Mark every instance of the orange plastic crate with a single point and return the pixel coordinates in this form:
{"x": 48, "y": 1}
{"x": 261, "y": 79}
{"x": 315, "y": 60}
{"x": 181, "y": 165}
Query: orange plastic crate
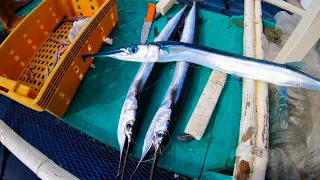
{"x": 30, "y": 44}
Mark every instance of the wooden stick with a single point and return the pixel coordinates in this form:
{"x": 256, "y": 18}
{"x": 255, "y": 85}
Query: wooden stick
{"x": 286, "y": 6}
{"x": 244, "y": 159}
{"x": 303, "y": 37}
{"x": 262, "y": 137}
{"x": 37, "y": 162}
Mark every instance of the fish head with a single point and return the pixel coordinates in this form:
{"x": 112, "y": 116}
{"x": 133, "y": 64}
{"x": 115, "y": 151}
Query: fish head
{"x": 157, "y": 131}
{"x": 149, "y": 53}
{"x": 126, "y": 122}
{"x": 136, "y": 53}
{"x": 161, "y": 126}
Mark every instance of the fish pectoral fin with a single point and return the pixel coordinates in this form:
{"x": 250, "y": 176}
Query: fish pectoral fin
{"x": 283, "y": 91}
{"x": 302, "y": 67}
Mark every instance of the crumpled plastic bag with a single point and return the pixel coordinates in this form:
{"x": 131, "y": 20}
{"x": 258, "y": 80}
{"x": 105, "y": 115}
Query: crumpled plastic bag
{"x": 295, "y": 3}
{"x": 271, "y": 49}
{"x": 307, "y": 162}
{"x": 286, "y": 23}
{"x": 309, "y": 166}
{"x": 280, "y": 167}
{"x": 77, "y": 27}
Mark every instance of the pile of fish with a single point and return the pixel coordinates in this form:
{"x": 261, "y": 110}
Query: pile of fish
{"x": 184, "y": 52}
{"x": 159, "y": 127}
{"x": 56, "y": 56}
{"x": 58, "y": 53}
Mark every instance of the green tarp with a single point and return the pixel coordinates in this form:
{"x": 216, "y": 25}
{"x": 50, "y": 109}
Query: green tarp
{"x": 96, "y": 107}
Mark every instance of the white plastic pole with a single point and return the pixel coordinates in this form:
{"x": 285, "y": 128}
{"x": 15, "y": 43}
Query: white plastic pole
{"x": 244, "y": 158}
{"x": 286, "y": 6}
{"x": 37, "y": 162}
{"x": 304, "y": 36}
{"x": 262, "y": 100}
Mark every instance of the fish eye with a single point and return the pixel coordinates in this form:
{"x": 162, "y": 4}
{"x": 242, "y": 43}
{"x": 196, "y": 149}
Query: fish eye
{"x": 160, "y": 135}
{"x": 133, "y": 49}
{"x": 129, "y": 126}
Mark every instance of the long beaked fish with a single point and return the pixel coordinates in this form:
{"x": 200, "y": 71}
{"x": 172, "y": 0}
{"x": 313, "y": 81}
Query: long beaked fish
{"x": 129, "y": 110}
{"x": 159, "y": 127}
{"x": 283, "y": 75}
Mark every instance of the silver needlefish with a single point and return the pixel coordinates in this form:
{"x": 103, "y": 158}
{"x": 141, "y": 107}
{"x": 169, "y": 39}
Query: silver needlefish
{"x": 129, "y": 110}
{"x": 159, "y": 127}
{"x": 295, "y": 74}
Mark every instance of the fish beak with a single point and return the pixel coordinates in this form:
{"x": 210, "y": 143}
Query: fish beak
{"x": 134, "y": 53}
{"x": 117, "y": 54}
{"x": 124, "y": 139}
{"x": 125, "y": 131}
{"x": 145, "y": 151}
{"x": 123, "y": 158}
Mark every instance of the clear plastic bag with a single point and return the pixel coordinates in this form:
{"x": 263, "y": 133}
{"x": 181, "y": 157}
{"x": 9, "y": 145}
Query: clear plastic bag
{"x": 309, "y": 166}
{"x": 290, "y": 120}
{"x": 294, "y": 122}
{"x": 273, "y": 51}
{"x": 77, "y": 27}
{"x": 280, "y": 167}
{"x": 295, "y": 3}
{"x": 290, "y": 114}
{"x": 286, "y": 23}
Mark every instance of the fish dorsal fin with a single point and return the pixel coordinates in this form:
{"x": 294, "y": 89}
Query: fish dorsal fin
{"x": 302, "y": 67}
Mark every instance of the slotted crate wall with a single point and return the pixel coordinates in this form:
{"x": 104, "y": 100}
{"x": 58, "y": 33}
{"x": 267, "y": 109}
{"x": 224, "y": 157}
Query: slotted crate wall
{"x": 29, "y": 46}
{"x": 43, "y": 59}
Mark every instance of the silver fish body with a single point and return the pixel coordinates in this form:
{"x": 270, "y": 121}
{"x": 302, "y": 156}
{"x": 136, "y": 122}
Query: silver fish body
{"x": 161, "y": 121}
{"x": 278, "y": 74}
{"x": 129, "y": 110}
{"x": 159, "y": 127}
{"x": 282, "y": 75}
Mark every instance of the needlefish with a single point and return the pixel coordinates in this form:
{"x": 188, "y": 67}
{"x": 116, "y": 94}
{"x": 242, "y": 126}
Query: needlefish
{"x": 295, "y": 74}
{"x": 160, "y": 124}
{"x": 131, "y": 104}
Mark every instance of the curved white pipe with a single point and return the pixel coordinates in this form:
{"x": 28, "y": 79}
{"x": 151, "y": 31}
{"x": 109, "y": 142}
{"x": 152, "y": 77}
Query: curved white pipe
{"x": 36, "y": 161}
{"x": 286, "y": 6}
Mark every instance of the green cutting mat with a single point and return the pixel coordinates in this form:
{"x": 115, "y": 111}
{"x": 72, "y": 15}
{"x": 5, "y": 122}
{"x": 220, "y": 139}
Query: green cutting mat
{"x": 96, "y": 107}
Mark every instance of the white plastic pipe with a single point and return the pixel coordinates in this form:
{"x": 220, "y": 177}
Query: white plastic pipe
{"x": 244, "y": 158}
{"x": 262, "y": 103}
{"x": 286, "y": 6}
{"x": 304, "y": 36}
{"x": 37, "y": 162}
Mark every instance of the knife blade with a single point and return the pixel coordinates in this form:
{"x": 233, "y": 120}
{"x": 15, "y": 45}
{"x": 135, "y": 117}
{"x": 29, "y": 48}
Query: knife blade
{"x": 147, "y": 22}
